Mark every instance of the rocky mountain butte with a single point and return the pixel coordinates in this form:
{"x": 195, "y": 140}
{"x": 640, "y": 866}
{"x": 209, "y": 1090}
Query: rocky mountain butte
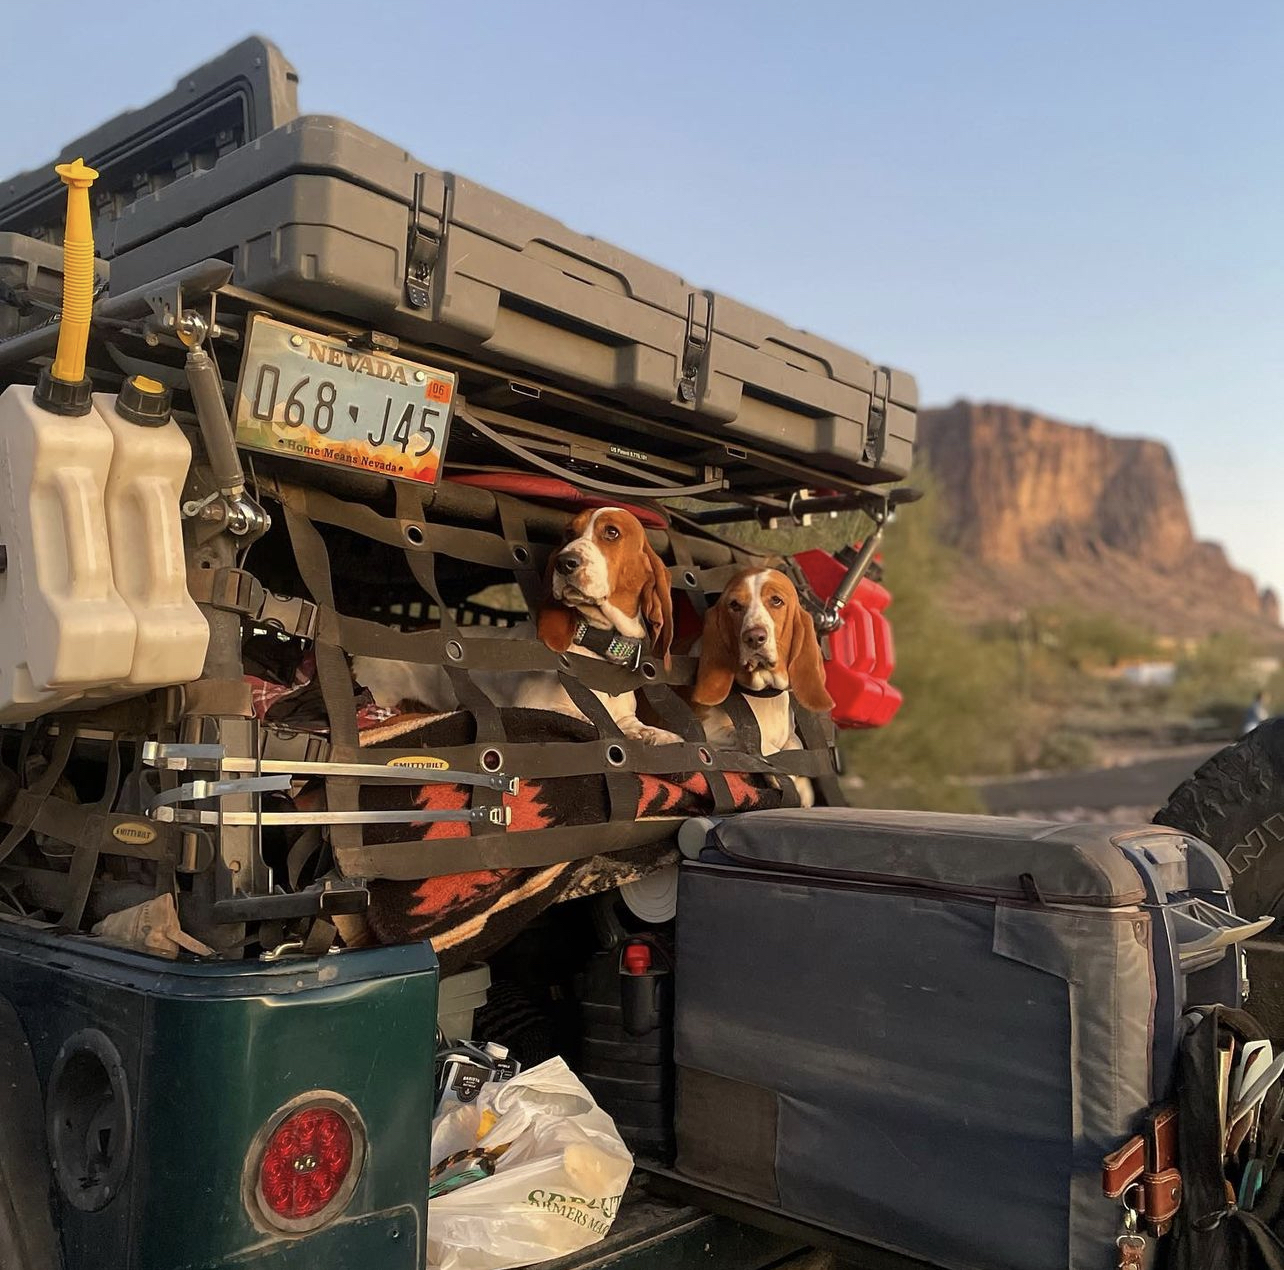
{"x": 1049, "y": 513}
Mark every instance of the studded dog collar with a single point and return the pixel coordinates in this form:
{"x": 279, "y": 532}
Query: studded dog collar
{"x": 620, "y": 650}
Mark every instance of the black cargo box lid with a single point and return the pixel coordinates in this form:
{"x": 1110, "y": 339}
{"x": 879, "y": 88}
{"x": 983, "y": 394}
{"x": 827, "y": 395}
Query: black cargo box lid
{"x": 241, "y": 94}
{"x": 987, "y": 856}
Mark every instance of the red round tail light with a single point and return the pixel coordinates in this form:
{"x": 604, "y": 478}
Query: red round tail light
{"x": 305, "y": 1163}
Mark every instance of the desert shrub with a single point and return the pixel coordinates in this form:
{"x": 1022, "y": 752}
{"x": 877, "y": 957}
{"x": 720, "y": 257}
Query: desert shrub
{"x": 1063, "y": 750}
{"x": 1218, "y": 674}
{"x": 1090, "y": 641}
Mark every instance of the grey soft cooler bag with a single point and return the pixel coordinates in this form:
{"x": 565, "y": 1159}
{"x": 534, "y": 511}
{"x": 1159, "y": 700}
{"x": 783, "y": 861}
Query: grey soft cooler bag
{"x": 926, "y": 1031}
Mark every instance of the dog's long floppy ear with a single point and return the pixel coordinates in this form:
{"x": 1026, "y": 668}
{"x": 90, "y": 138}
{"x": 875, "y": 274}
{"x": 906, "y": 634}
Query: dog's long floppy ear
{"x": 806, "y": 665}
{"x": 555, "y": 624}
{"x": 717, "y": 670}
{"x": 657, "y": 605}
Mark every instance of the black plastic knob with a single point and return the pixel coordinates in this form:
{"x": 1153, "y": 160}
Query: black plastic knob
{"x": 144, "y": 401}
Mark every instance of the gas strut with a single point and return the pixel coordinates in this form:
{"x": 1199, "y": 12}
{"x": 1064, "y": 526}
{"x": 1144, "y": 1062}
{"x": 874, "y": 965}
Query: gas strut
{"x": 882, "y": 514}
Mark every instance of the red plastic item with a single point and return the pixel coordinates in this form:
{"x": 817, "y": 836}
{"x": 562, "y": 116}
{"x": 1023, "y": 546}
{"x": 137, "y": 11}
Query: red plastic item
{"x": 637, "y": 959}
{"x": 306, "y": 1162}
{"x": 862, "y": 653}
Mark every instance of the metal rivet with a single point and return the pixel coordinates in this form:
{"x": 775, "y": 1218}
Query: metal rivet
{"x": 296, "y": 341}
{"x": 689, "y": 578}
{"x": 704, "y": 755}
{"x": 492, "y": 760}
{"x": 615, "y": 755}
{"x": 420, "y": 377}
{"x": 648, "y": 670}
{"x": 415, "y": 535}
{"x": 454, "y": 650}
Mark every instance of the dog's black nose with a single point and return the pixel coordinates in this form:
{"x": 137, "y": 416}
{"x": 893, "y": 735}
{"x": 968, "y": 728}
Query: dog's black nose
{"x": 567, "y": 563}
{"x": 755, "y": 637}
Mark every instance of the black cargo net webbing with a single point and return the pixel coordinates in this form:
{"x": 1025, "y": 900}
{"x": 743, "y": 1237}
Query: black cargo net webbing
{"x": 89, "y": 831}
{"x": 463, "y": 649}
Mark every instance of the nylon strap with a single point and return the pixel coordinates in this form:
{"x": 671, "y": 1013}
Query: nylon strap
{"x": 527, "y": 564}
{"x": 319, "y": 938}
{"x": 684, "y": 575}
{"x": 22, "y": 811}
{"x": 77, "y": 823}
{"x": 236, "y": 591}
{"x": 86, "y": 854}
{"x": 304, "y": 847}
{"x": 818, "y": 737}
{"x": 333, "y": 672}
{"x": 219, "y": 698}
{"x": 473, "y": 545}
{"x": 544, "y": 760}
{"x": 678, "y": 715}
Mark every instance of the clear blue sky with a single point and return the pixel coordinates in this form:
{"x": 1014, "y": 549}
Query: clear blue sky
{"x": 1077, "y": 207}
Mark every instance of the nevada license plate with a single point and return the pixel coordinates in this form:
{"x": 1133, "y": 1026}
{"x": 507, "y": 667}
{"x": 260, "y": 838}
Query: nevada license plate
{"x": 308, "y": 396}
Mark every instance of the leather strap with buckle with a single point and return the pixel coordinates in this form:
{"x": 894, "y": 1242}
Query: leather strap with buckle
{"x": 1147, "y": 1163}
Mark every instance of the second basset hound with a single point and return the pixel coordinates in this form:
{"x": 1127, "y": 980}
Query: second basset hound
{"x": 760, "y": 640}
{"x": 609, "y": 596}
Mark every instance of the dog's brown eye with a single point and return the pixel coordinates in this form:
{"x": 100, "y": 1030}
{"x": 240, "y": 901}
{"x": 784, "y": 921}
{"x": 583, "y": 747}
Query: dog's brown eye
{"x": 735, "y": 606}
{"x": 776, "y": 601}
{"x": 610, "y": 533}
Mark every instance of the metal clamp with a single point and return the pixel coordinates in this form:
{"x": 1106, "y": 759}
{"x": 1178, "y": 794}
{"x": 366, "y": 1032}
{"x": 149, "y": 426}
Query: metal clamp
{"x": 411, "y": 816}
{"x": 199, "y": 791}
{"x": 181, "y": 758}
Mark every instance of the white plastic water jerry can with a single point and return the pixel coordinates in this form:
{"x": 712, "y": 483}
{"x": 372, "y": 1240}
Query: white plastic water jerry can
{"x": 64, "y": 628}
{"x": 144, "y": 527}
{"x": 93, "y": 586}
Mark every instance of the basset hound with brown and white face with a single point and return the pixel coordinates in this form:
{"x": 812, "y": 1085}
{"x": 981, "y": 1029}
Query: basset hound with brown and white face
{"x": 609, "y": 596}
{"x": 759, "y": 639}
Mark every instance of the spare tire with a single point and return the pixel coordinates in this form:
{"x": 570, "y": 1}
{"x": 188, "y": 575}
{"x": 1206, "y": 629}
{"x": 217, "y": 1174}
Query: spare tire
{"x": 1235, "y": 803}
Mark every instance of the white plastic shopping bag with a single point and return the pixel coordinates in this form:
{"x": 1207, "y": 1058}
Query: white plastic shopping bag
{"x": 556, "y": 1187}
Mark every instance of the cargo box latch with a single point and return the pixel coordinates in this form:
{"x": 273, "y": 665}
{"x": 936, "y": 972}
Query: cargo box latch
{"x": 695, "y": 345}
{"x": 876, "y": 431}
{"x": 423, "y": 246}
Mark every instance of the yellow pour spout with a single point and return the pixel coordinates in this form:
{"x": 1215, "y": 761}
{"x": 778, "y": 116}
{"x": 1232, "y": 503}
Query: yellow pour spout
{"x": 77, "y": 274}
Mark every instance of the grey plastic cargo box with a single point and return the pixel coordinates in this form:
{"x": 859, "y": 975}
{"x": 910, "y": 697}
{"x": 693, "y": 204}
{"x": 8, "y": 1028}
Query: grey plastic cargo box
{"x": 318, "y": 213}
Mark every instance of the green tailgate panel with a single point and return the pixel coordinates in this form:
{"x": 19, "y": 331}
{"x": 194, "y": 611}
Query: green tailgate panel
{"x": 208, "y": 1052}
